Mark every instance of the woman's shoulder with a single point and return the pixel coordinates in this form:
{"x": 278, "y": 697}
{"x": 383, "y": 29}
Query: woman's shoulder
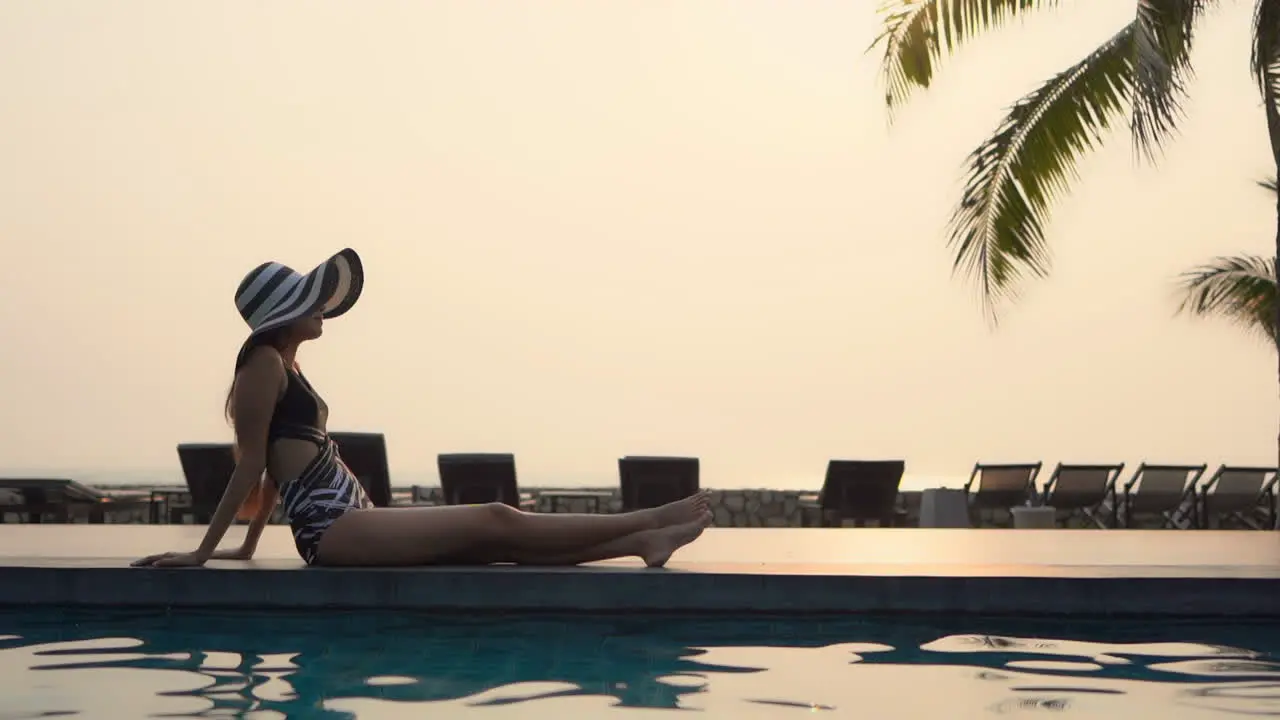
{"x": 264, "y": 362}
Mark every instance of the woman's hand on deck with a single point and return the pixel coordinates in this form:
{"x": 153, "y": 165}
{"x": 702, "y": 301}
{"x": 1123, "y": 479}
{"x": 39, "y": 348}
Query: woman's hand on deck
{"x": 170, "y": 559}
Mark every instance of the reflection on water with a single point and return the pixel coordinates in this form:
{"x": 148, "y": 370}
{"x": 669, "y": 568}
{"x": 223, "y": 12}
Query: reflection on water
{"x": 123, "y": 664}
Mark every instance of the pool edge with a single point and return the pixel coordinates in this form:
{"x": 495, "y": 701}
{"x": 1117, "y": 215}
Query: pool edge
{"x": 483, "y": 590}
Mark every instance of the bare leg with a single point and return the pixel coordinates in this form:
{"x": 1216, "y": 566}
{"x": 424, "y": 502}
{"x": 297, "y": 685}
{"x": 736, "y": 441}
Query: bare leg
{"x": 574, "y": 531}
{"x": 655, "y": 547}
{"x": 419, "y": 536}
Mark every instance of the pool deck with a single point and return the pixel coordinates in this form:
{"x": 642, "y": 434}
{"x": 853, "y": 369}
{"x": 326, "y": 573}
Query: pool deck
{"x": 1069, "y": 572}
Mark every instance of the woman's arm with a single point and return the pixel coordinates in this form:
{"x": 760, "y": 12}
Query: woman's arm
{"x": 270, "y": 496}
{"x": 257, "y": 388}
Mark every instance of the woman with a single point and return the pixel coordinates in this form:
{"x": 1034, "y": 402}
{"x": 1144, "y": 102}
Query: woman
{"x": 279, "y": 422}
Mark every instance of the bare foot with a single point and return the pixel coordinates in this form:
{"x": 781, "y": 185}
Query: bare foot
{"x": 680, "y": 512}
{"x": 661, "y": 543}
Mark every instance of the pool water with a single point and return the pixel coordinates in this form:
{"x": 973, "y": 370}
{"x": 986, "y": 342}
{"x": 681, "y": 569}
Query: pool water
{"x": 135, "y": 664}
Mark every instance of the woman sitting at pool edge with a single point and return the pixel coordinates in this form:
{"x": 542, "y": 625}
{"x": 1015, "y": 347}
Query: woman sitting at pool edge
{"x": 280, "y": 430}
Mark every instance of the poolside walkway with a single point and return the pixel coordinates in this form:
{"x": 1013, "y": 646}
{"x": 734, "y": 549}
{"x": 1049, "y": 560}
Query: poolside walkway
{"x": 735, "y": 570}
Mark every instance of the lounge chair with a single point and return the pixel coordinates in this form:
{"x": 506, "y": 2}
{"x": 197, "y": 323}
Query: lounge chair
{"x": 207, "y": 468}
{"x": 651, "y": 481}
{"x": 862, "y": 490}
{"x": 1000, "y": 487}
{"x": 365, "y": 454}
{"x": 475, "y": 478}
{"x": 1082, "y": 491}
{"x": 1163, "y": 492}
{"x": 1238, "y": 494}
{"x": 61, "y": 500}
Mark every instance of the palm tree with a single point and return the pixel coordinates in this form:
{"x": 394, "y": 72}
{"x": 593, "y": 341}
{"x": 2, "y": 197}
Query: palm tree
{"x": 997, "y": 228}
{"x": 1240, "y": 289}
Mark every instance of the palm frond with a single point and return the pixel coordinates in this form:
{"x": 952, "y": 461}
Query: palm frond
{"x": 1240, "y": 289}
{"x": 998, "y": 229}
{"x": 917, "y": 33}
{"x": 1163, "y": 34}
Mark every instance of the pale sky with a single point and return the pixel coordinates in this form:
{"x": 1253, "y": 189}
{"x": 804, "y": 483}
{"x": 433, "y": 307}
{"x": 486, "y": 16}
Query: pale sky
{"x": 596, "y": 228}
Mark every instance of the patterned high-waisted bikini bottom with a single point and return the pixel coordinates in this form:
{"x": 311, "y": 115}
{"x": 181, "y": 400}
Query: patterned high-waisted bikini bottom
{"x": 325, "y": 491}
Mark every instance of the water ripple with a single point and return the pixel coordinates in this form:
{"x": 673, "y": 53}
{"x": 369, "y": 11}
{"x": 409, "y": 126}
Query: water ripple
{"x": 314, "y": 665}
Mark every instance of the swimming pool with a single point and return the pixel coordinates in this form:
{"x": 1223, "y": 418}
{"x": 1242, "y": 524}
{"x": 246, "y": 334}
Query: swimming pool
{"x": 132, "y": 664}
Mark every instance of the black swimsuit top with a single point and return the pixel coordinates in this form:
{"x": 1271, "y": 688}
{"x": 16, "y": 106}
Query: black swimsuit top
{"x": 297, "y": 412}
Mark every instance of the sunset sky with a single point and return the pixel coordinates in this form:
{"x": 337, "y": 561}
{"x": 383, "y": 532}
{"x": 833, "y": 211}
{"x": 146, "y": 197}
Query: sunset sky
{"x": 596, "y": 228}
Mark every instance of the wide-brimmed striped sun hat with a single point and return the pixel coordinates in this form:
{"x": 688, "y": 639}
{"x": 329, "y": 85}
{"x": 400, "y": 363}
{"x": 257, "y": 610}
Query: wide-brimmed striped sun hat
{"x": 273, "y": 295}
